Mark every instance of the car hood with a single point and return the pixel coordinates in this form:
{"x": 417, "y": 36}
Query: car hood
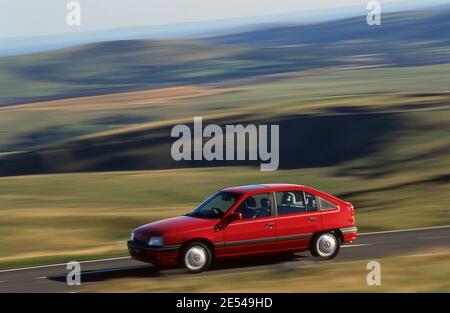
{"x": 173, "y": 226}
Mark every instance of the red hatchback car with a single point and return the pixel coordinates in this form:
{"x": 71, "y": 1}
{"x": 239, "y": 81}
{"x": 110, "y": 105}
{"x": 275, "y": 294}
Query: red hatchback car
{"x": 248, "y": 220}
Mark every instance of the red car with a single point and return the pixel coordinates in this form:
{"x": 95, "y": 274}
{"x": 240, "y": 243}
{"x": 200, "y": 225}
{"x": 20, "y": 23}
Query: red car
{"x": 248, "y": 220}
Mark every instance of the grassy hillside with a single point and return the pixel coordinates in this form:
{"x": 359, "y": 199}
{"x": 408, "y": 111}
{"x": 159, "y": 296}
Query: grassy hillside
{"x": 405, "y": 39}
{"x": 369, "y": 89}
{"x": 110, "y": 67}
{"x": 373, "y": 121}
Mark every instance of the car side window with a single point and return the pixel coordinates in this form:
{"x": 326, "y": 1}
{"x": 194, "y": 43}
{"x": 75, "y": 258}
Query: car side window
{"x": 255, "y": 206}
{"x": 290, "y": 202}
{"x": 326, "y": 205}
{"x": 311, "y": 202}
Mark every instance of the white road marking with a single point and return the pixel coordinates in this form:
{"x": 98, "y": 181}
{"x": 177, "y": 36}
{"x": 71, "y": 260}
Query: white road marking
{"x": 127, "y": 257}
{"x": 357, "y": 245}
{"x": 63, "y": 264}
{"x": 422, "y": 255}
{"x": 403, "y": 230}
{"x": 433, "y": 237}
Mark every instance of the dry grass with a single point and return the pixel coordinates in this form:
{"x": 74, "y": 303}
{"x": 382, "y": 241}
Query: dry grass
{"x": 119, "y": 100}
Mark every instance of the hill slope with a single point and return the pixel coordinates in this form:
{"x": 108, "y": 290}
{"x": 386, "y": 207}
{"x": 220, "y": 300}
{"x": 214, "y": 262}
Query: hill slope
{"x": 404, "y": 39}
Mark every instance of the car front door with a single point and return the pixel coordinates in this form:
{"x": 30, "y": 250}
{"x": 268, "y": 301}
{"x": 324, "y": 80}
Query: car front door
{"x": 255, "y": 232}
{"x": 297, "y": 219}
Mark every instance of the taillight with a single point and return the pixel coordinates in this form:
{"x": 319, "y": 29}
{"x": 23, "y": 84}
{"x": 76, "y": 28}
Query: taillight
{"x": 352, "y": 212}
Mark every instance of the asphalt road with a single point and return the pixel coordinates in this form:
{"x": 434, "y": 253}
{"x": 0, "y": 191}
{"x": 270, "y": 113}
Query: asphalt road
{"x": 369, "y": 246}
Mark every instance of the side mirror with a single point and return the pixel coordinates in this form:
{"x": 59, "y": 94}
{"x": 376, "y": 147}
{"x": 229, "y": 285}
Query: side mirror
{"x": 236, "y": 216}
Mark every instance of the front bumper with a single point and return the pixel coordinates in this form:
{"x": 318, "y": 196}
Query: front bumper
{"x": 164, "y": 255}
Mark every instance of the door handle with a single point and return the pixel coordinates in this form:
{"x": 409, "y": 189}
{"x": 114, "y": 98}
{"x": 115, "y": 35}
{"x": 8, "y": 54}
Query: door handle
{"x": 312, "y": 219}
{"x": 269, "y": 225}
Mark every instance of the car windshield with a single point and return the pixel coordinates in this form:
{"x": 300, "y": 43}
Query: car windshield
{"x": 216, "y": 205}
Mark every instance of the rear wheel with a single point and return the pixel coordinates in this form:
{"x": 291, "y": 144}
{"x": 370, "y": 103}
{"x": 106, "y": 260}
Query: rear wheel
{"x": 196, "y": 257}
{"x": 325, "y": 246}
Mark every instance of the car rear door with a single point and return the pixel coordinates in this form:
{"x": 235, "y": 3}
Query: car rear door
{"x": 256, "y": 231}
{"x": 297, "y": 219}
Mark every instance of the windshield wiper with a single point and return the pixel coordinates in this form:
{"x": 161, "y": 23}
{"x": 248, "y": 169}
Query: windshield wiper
{"x": 202, "y": 215}
{"x": 195, "y": 214}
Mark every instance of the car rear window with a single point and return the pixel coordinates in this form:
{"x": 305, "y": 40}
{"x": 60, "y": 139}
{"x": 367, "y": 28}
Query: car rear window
{"x": 326, "y": 205}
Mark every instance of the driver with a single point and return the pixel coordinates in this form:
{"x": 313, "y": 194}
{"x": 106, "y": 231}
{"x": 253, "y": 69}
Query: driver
{"x": 248, "y": 208}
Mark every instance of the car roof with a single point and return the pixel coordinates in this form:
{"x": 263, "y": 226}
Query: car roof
{"x": 253, "y": 189}
{"x": 260, "y": 187}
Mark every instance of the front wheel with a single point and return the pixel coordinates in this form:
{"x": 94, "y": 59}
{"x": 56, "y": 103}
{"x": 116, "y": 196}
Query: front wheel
{"x": 196, "y": 257}
{"x": 326, "y": 246}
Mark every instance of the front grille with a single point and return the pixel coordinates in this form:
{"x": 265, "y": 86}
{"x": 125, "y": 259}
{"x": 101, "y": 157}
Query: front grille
{"x": 137, "y": 245}
{"x": 140, "y": 242}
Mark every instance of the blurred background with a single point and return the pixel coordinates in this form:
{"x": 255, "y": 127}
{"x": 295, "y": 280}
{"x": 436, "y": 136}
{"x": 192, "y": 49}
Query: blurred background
{"x": 364, "y": 114}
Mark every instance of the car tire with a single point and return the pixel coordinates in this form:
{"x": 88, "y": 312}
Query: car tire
{"x": 196, "y": 257}
{"x": 325, "y": 246}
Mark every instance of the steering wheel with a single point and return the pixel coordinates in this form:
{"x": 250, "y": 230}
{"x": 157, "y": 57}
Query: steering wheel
{"x": 216, "y": 211}
{"x": 257, "y": 213}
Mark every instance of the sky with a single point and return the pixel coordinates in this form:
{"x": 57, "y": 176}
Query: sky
{"x": 44, "y": 17}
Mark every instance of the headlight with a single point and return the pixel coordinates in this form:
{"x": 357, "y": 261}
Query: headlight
{"x": 156, "y": 241}
{"x": 132, "y": 236}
